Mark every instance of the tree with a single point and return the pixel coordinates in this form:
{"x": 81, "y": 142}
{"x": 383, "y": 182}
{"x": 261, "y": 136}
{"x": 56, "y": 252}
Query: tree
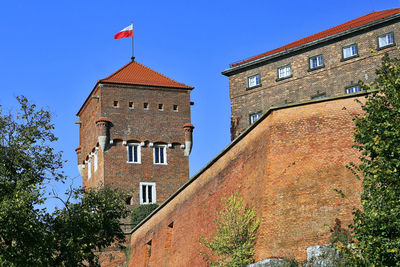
{"x": 376, "y": 228}
{"x": 233, "y": 243}
{"x": 29, "y": 234}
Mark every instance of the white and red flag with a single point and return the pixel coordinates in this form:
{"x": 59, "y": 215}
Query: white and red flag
{"x": 126, "y": 32}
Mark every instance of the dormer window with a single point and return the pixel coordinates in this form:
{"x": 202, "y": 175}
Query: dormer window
{"x": 253, "y": 81}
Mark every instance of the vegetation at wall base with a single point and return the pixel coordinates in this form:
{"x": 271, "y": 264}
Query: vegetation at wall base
{"x": 140, "y": 212}
{"x": 376, "y": 228}
{"x": 233, "y": 243}
{"x": 29, "y": 234}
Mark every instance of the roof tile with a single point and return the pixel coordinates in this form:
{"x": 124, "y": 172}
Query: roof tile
{"x": 337, "y": 29}
{"x": 138, "y": 74}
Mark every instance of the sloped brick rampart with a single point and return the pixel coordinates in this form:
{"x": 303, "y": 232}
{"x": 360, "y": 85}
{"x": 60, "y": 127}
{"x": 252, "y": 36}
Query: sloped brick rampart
{"x": 286, "y": 167}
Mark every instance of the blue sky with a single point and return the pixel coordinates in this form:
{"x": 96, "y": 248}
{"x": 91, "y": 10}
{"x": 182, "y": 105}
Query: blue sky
{"x": 53, "y": 52}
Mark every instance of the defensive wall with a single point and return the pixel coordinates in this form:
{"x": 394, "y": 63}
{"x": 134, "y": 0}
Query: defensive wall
{"x": 285, "y": 165}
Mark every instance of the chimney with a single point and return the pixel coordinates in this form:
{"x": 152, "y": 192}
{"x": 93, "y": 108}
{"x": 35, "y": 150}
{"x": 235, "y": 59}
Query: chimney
{"x": 188, "y": 128}
{"x": 103, "y": 130}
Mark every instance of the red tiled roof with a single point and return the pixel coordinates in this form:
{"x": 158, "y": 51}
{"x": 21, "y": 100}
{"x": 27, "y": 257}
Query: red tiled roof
{"x": 338, "y": 29}
{"x": 138, "y": 74}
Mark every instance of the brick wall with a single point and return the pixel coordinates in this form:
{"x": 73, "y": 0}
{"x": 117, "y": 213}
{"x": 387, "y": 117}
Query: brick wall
{"x": 332, "y": 79}
{"x": 286, "y": 167}
{"x": 136, "y": 124}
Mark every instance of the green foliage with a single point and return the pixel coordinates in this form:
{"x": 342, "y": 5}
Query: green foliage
{"x": 29, "y": 234}
{"x": 376, "y": 228}
{"x": 340, "y": 234}
{"x": 141, "y": 212}
{"x": 233, "y": 243}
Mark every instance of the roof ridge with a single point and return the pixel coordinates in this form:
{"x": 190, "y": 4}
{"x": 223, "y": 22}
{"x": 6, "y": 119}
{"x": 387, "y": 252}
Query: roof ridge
{"x": 357, "y": 22}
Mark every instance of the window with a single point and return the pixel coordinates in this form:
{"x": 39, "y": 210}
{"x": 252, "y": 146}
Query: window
{"x": 385, "y": 40}
{"x": 254, "y": 117}
{"x": 146, "y": 106}
{"x": 284, "y": 72}
{"x": 160, "y": 107}
{"x": 89, "y": 168}
{"x": 160, "y": 154}
{"x": 116, "y": 104}
{"x": 95, "y": 160}
{"x": 318, "y": 95}
{"x": 134, "y": 153}
{"x": 175, "y": 107}
{"x": 316, "y": 62}
{"x": 131, "y": 105}
{"x": 350, "y": 51}
{"x": 147, "y": 193}
{"x": 253, "y": 81}
{"x": 353, "y": 89}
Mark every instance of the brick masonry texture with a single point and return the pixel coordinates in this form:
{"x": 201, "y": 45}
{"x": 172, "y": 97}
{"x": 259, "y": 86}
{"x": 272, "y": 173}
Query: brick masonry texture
{"x": 286, "y": 167}
{"x": 332, "y": 79}
{"x": 136, "y": 124}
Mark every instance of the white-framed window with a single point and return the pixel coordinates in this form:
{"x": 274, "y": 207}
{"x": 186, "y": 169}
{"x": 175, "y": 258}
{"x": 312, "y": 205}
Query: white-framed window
{"x": 160, "y": 154}
{"x": 95, "y": 158}
{"x": 254, "y": 117}
{"x": 253, "y": 81}
{"x": 284, "y": 72}
{"x": 89, "y": 168}
{"x": 353, "y": 89}
{"x": 316, "y": 62}
{"x": 350, "y": 51}
{"x": 385, "y": 40}
{"x": 148, "y": 193}
{"x": 134, "y": 155}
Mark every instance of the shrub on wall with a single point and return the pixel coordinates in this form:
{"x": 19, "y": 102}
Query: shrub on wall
{"x": 376, "y": 228}
{"x": 233, "y": 243}
{"x": 141, "y": 212}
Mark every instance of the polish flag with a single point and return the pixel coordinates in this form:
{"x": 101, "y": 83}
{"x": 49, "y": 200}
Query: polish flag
{"x": 126, "y": 32}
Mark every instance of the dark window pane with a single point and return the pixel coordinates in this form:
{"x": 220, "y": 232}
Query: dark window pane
{"x": 149, "y": 187}
{"x": 161, "y": 155}
{"x": 156, "y": 154}
{"x": 135, "y": 154}
{"x": 129, "y": 153}
{"x": 144, "y": 194}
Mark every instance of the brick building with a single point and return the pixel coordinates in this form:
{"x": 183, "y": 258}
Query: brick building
{"x": 329, "y": 63}
{"x": 135, "y": 134}
{"x": 292, "y": 111}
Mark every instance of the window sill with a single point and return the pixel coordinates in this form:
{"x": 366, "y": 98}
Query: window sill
{"x": 131, "y": 162}
{"x": 284, "y": 78}
{"x": 348, "y": 58}
{"x": 160, "y": 163}
{"x": 316, "y": 68}
{"x": 255, "y": 86}
{"x": 386, "y": 46}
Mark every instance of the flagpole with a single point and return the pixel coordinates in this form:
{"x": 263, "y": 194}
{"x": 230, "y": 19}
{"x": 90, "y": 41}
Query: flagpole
{"x": 133, "y": 57}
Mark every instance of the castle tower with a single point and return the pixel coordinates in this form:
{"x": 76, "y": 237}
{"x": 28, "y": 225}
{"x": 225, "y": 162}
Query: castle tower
{"x": 135, "y": 134}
